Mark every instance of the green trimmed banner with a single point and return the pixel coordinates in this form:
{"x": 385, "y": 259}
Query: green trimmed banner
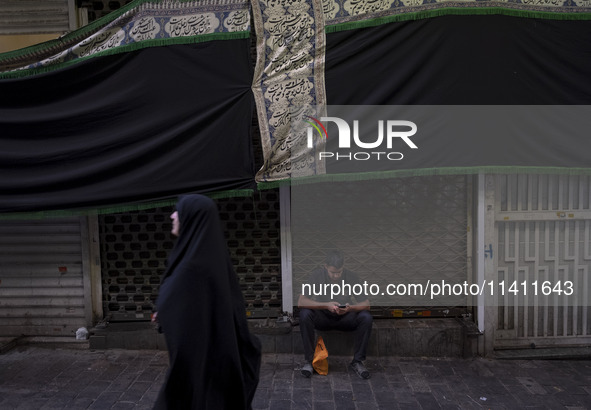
{"x": 351, "y": 14}
{"x": 140, "y": 24}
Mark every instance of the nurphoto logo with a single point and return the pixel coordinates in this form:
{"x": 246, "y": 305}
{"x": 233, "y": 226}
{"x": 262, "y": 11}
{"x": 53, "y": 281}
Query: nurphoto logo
{"x": 390, "y": 134}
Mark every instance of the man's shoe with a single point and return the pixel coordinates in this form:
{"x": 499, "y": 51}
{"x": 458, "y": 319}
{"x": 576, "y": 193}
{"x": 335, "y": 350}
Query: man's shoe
{"x": 307, "y": 370}
{"x": 360, "y": 369}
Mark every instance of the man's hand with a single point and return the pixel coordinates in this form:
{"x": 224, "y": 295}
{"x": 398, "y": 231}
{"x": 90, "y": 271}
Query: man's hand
{"x": 344, "y": 310}
{"x": 336, "y": 307}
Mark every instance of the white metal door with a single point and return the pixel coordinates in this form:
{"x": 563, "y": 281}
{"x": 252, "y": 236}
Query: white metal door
{"x": 543, "y": 228}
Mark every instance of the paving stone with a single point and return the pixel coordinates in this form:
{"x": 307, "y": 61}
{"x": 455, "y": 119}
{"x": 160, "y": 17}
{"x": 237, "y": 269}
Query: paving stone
{"x": 79, "y": 403}
{"x": 123, "y": 406}
{"x": 407, "y": 406}
{"x": 427, "y": 401}
{"x": 571, "y": 400}
{"x": 531, "y": 385}
{"x": 408, "y": 368}
{"x": 94, "y": 390}
{"x": 122, "y": 382}
{"x": 378, "y": 382}
{"x": 150, "y": 373}
{"x": 112, "y": 372}
{"x": 321, "y": 391}
{"x": 344, "y": 400}
{"x": 302, "y": 399}
{"x": 407, "y": 398}
{"x": 366, "y": 406}
{"x": 135, "y": 392}
{"x": 261, "y": 399}
{"x": 281, "y": 404}
{"x": 324, "y": 405}
{"x": 418, "y": 383}
{"x": 444, "y": 395}
{"x": 363, "y": 393}
{"x": 105, "y": 401}
{"x": 281, "y": 390}
{"x": 54, "y": 379}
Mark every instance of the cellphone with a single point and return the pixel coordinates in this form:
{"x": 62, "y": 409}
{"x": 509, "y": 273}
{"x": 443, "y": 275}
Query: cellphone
{"x": 342, "y": 306}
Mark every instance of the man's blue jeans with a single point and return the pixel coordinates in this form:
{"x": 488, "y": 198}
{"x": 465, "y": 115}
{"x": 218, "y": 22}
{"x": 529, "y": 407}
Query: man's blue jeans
{"x": 358, "y": 322}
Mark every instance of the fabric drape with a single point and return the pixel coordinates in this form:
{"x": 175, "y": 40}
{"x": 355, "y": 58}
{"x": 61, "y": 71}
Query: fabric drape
{"x": 497, "y": 70}
{"x": 148, "y": 124}
{"x": 461, "y": 60}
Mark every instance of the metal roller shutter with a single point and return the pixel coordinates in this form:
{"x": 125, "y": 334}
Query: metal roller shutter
{"x": 41, "y": 277}
{"x": 251, "y": 226}
{"x": 403, "y": 230}
{"x": 37, "y": 16}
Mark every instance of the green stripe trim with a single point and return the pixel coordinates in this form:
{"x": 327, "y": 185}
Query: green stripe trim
{"x": 118, "y": 208}
{"x": 368, "y": 176}
{"x": 469, "y": 10}
{"x": 127, "y": 48}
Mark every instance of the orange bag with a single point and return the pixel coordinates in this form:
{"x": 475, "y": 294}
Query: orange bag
{"x": 320, "y": 361}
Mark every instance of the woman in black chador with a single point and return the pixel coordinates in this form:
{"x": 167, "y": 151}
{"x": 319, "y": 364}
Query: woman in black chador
{"x": 214, "y": 360}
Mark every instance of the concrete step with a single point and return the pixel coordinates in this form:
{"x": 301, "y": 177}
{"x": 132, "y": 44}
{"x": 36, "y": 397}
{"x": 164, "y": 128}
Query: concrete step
{"x": 390, "y": 337}
{"x": 9, "y": 343}
{"x": 126, "y": 335}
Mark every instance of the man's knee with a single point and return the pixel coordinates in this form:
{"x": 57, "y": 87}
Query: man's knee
{"x": 306, "y": 315}
{"x": 365, "y": 318}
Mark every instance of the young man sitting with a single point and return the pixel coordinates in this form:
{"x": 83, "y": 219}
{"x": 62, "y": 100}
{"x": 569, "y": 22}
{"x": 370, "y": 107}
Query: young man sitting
{"x": 345, "y": 314}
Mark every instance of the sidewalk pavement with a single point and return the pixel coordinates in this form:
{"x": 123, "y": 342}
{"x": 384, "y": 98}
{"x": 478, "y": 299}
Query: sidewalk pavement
{"x": 36, "y": 377}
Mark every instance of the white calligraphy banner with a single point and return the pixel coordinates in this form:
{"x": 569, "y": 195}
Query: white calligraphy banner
{"x": 289, "y": 73}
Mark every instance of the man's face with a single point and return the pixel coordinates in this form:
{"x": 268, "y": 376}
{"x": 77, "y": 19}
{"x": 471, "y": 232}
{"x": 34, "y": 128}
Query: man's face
{"x": 334, "y": 274}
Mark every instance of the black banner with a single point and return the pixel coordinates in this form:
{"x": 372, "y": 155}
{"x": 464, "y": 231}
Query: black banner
{"x": 129, "y": 127}
{"x": 460, "y": 60}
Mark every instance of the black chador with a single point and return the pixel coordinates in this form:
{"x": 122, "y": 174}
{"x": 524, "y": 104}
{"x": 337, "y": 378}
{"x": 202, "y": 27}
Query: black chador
{"x": 214, "y": 360}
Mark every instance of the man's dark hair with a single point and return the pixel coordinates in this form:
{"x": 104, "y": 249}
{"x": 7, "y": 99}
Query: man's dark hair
{"x": 335, "y": 258}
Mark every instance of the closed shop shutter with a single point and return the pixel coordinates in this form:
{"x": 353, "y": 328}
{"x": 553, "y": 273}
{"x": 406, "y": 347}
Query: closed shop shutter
{"x": 410, "y": 231}
{"x": 41, "y": 277}
{"x": 135, "y": 246}
{"x": 543, "y": 226}
{"x": 37, "y": 16}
